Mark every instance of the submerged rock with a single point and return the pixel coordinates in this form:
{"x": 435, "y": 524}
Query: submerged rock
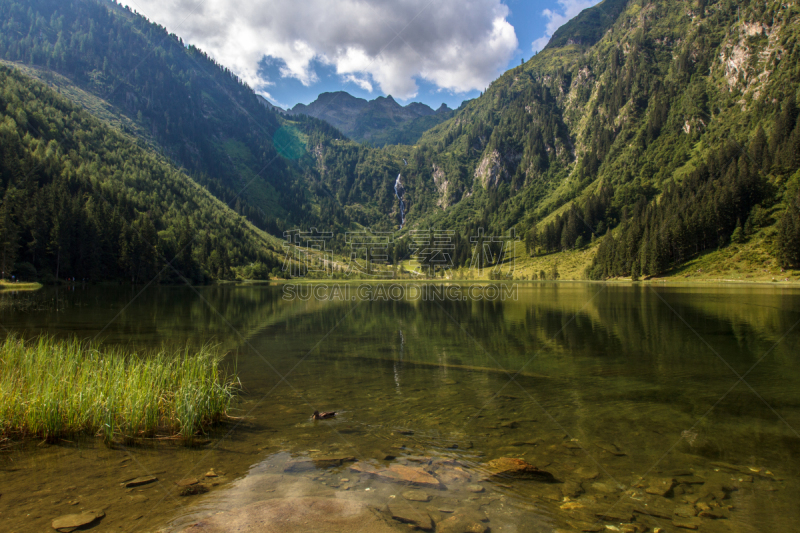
{"x": 317, "y": 463}
{"x": 518, "y": 469}
{"x": 656, "y": 508}
{"x": 685, "y": 511}
{"x": 587, "y": 473}
{"x": 622, "y": 514}
{"x": 416, "y": 496}
{"x": 609, "y": 447}
{"x": 453, "y": 475}
{"x": 409, "y": 475}
{"x": 686, "y": 523}
{"x": 660, "y": 486}
{"x": 463, "y": 522}
{"x": 139, "y": 481}
{"x": 71, "y": 522}
{"x": 409, "y": 515}
{"x": 296, "y": 515}
{"x": 193, "y": 490}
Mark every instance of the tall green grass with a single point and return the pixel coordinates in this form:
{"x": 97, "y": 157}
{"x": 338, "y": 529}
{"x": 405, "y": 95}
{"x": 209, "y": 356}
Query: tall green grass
{"x": 54, "y": 389}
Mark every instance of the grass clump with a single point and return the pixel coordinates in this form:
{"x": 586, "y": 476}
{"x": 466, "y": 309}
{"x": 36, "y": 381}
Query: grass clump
{"x": 53, "y": 389}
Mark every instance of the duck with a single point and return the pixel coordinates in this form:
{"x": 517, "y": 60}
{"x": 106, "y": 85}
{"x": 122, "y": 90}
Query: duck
{"x": 322, "y": 416}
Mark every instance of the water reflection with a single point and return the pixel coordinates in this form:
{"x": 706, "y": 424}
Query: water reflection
{"x": 608, "y": 387}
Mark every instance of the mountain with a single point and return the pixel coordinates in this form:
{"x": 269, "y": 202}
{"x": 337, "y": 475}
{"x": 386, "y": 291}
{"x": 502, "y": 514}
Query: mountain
{"x": 663, "y": 128}
{"x": 83, "y": 200}
{"x": 647, "y": 133}
{"x": 381, "y": 121}
{"x": 269, "y": 105}
{"x": 195, "y": 111}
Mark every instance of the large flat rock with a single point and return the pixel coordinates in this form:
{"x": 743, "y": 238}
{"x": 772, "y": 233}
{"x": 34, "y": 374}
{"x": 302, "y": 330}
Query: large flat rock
{"x": 407, "y": 475}
{"x": 297, "y": 515}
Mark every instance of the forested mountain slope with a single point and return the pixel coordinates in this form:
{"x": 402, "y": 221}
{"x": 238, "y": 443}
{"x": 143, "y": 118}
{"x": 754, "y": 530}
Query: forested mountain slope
{"x": 671, "y": 123}
{"x": 82, "y": 200}
{"x": 664, "y": 128}
{"x": 200, "y": 114}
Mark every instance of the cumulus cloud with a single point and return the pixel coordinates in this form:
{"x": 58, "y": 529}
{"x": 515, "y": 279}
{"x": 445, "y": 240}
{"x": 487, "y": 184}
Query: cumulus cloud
{"x": 569, "y": 9}
{"x": 458, "y": 45}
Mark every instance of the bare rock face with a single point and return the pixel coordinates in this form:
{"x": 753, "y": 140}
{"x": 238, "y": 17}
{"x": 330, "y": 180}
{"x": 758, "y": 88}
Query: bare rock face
{"x": 297, "y": 515}
{"x": 517, "y": 468}
{"x": 408, "y": 475}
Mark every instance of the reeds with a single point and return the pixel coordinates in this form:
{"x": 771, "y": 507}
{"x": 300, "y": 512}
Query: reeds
{"x": 54, "y": 389}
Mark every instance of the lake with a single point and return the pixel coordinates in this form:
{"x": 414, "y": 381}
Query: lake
{"x": 657, "y": 406}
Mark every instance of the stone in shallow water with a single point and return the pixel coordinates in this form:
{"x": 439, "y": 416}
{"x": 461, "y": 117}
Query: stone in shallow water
{"x": 188, "y": 482}
{"x": 463, "y": 522}
{"x": 587, "y": 527}
{"x": 321, "y": 463}
{"x": 450, "y": 475}
{"x": 193, "y": 490}
{"x": 609, "y": 447}
{"x": 572, "y": 489}
{"x": 660, "y": 486}
{"x": 475, "y": 488}
{"x": 586, "y": 473}
{"x": 604, "y": 488}
{"x": 715, "y": 513}
{"x": 616, "y": 515}
{"x": 685, "y": 511}
{"x": 403, "y": 512}
{"x": 517, "y": 468}
{"x": 399, "y": 474}
{"x": 71, "y": 522}
{"x": 296, "y": 515}
{"x": 686, "y": 523}
{"x": 656, "y": 508}
{"x": 139, "y": 481}
{"x": 416, "y": 496}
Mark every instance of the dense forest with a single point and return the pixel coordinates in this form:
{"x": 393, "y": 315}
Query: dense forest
{"x": 202, "y": 116}
{"x": 82, "y": 200}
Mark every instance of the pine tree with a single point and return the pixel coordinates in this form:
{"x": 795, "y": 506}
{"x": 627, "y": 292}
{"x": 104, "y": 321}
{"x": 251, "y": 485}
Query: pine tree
{"x": 789, "y": 235}
{"x": 9, "y": 239}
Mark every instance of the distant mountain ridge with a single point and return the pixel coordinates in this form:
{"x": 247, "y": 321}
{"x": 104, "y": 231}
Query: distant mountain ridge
{"x": 380, "y": 121}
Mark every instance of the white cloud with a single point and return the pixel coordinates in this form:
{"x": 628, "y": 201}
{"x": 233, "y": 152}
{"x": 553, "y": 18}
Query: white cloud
{"x": 569, "y": 10}
{"x": 458, "y": 45}
{"x": 362, "y": 82}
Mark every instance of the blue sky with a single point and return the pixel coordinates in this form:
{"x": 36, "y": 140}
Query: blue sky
{"x": 441, "y": 51}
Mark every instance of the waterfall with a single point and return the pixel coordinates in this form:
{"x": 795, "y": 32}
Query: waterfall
{"x": 397, "y": 187}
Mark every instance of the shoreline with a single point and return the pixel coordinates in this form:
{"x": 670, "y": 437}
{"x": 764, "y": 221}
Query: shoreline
{"x": 5, "y": 285}
{"x": 622, "y": 281}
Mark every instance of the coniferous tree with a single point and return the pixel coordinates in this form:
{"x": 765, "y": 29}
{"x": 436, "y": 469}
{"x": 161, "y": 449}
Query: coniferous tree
{"x": 789, "y": 235}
